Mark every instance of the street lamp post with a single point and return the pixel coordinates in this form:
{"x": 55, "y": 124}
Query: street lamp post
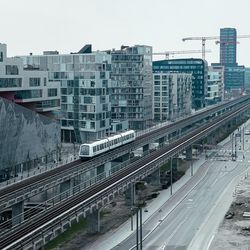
{"x": 232, "y": 146}
{"x": 171, "y": 176}
{"x": 138, "y": 206}
{"x": 137, "y": 229}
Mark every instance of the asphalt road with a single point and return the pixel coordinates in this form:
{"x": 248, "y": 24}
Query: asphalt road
{"x": 190, "y": 217}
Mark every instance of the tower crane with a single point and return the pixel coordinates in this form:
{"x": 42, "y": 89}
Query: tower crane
{"x": 204, "y": 38}
{"x": 174, "y": 52}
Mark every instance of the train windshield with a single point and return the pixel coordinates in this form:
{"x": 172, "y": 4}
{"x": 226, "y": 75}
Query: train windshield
{"x": 84, "y": 150}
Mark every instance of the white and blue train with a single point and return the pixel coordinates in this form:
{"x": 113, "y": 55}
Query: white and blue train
{"x": 89, "y": 150}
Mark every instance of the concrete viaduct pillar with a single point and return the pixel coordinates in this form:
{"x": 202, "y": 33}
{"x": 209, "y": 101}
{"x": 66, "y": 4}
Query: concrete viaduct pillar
{"x": 93, "y": 222}
{"x": 130, "y": 194}
{"x": 156, "y": 177}
{"x": 17, "y": 213}
{"x": 145, "y": 149}
{"x": 189, "y": 153}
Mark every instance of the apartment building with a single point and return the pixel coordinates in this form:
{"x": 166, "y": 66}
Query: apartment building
{"x": 28, "y": 86}
{"x": 131, "y": 86}
{"x": 215, "y": 84}
{"x": 172, "y": 95}
{"x": 85, "y": 80}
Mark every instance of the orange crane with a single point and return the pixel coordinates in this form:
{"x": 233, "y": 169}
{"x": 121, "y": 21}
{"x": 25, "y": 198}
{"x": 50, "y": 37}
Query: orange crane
{"x": 174, "y": 52}
{"x": 204, "y": 38}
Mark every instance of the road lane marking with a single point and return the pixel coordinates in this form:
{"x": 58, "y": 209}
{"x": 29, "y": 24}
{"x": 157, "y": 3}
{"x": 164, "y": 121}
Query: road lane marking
{"x": 210, "y": 241}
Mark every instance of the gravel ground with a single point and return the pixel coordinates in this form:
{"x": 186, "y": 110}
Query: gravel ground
{"x": 234, "y": 231}
{"x": 112, "y": 216}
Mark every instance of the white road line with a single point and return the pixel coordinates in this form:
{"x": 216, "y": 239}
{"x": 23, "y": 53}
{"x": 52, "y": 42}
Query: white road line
{"x": 210, "y": 241}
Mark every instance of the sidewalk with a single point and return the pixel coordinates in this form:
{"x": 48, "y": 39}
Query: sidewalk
{"x": 112, "y": 238}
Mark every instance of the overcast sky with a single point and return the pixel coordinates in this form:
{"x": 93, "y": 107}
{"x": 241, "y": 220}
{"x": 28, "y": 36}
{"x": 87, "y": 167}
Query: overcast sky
{"x": 66, "y": 25}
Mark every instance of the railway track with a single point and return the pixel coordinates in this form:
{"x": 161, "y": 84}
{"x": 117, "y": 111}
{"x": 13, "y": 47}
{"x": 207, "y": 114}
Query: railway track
{"x": 48, "y": 177}
{"x": 18, "y": 234}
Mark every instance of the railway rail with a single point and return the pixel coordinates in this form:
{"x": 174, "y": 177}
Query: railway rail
{"x": 49, "y": 178}
{"x": 19, "y": 235}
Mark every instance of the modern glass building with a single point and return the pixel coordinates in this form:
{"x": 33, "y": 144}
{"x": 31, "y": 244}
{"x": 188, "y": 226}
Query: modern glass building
{"x": 131, "y": 89}
{"x": 234, "y": 73}
{"x": 247, "y": 80}
{"x": 235, "y": 77}
{"x": 228, "y": 46}
{"x": 199, "y": 70}
{"x": 85, "y": 82}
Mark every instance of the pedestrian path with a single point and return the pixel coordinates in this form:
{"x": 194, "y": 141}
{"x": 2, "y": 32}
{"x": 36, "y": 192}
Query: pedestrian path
{"x": 111, "y": 239}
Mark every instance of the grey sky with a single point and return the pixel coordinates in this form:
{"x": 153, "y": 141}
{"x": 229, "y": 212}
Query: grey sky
{"x": 66, "y": 25}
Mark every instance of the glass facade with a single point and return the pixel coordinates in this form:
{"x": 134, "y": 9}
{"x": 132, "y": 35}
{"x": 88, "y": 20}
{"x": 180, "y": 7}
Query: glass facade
{"x": 10, "y": 82}
{"x": 228, "y": 46}
{"x": 199, "y": 70}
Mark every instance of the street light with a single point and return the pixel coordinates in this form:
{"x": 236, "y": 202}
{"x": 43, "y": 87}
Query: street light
{"x": 138, "y": 206}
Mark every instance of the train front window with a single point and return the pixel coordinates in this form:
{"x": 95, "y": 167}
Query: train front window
{"x": 84, "y": 150}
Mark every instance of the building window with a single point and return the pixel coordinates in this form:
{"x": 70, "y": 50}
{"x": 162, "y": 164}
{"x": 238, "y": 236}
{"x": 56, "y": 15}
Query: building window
{"x": 34, "y": 82}
{"x": 29, "y": 94}
{"x": 52, "y": 92}
{"x": 11, "y": 70}
{"x": 92, "y": 125}
{"x": 1, "y": 56}
{"x": 102, "y": 123}
{"x": 10, "y": 82}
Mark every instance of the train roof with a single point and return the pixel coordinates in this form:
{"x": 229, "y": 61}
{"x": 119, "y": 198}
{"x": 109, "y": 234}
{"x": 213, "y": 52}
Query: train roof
{"x": 105, "y": 139}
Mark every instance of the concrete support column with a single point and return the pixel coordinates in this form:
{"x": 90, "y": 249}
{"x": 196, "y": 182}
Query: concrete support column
{"x": 93, "y": 222}
{"x": 212, "y": 139}
{"x": 17, "y": 213}
{"x": 145, "y": 149}
{"x": 189, "y": 154}
{"x": 130, "y": 194}
{"x": 156, "y": 177}
{"x": 162, "y": 141}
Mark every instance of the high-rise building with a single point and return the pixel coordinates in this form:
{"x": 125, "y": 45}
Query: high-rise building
{"x": 234, "y": 73}
{"x": 28, "y": 86}
{"x": 197, "y": 67}
{"x": 172, "y": 95}
{"x": 85, "y": 82}
{"x": 228, "y": 46}
{"x": 131, "y": 89}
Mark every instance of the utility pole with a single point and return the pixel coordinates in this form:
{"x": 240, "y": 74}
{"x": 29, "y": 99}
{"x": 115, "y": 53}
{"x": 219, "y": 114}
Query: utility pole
{"x": 171, "y": 176}
{"x": 243, "y": 137}
{"x": 232, "y": 154}
{"x": 137, "y": 229}
{"x": 139, "y": 204}
{"x": 235, "y": 148}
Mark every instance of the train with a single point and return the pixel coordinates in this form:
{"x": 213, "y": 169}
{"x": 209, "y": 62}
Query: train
{"x": 89, "y": 150}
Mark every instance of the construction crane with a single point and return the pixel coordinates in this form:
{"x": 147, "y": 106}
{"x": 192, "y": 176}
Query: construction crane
{"x": 204, "y": 38}
{"x": 175, "y": 52}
